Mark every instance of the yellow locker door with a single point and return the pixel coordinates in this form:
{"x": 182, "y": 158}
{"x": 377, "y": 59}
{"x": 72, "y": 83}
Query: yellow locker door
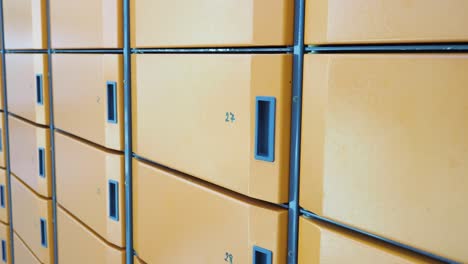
{"x": 77, "y": 245}
{"x": 1, "y": 86}
{"x": 4, "y": 211}
{"x": 2, "y": 140}
{"x": 323, "y": 243}
{"x": 181, "y": 220}
{"x": 91, "y": 86}
{"x": 210, "y": 23}
{"x": 96, "y": 197}
{"x": 5, "y": 256}
{"x": 222, "y": 118}
{"x": 25, "y": 24}
{"x": 22, "y": 252}
{"x": 384, "y": 146}
{"x": 86, "y": 24}
{"x": 30, "y": 155}
{"x": 27, "y": 86}
{"x": 385, "y": 21}
{"x": 33, "y": 220}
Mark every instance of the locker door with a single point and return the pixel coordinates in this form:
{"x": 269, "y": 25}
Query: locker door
{"x": 179, "y": 220}
{"x": 5, "y": 256}
{"x": 97, "y": 197}
{"x": 86, "y": 24}
{"x": 323, "y": 243}
{"x": 22, "y": 253}
{"x": 27, "y": 85}
{"x": 384, "y": 147}
{"x": 230, "y": 114}
{"x": 91, "y": 86}
{"x": 25, "y": 24}
{"x": 4, "y": 213}
{"x": 30, "y": 155}
{"x": 385, "y": 21}
{"x": 76, "y": 244}
{"x": 210, "y": 23}
{"x": 33, "y": 220}
{"x": 2, "y": 141}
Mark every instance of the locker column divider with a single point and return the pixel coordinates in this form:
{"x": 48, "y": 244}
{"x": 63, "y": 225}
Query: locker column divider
{"x": 128, "y": 133}
{"x": 7, "y": 134}
{"x": 52, "y": 133}
{"x": 296, "y": 113}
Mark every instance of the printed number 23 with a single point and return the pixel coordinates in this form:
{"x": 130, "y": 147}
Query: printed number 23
{"x": 230, "y": 117}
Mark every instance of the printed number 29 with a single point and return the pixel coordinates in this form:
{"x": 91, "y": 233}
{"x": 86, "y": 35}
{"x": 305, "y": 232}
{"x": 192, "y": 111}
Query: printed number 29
{"x": 228, "y": 258}
{"x": 230, "y": 117}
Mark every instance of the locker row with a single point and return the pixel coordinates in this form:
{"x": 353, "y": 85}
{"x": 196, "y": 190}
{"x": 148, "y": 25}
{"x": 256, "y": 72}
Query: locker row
{"x": 382, "y": 138}
{"x": 98, "y": 24}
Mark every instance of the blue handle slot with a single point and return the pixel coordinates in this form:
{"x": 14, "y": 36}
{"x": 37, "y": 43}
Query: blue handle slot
{"x": 112, "y": 102}
{"x": 114, "y": 200}
{"x": 2, "y": 196}
{"x": 265, "y": 115}
{"x": 262, "y": 256}
{"x": 39, "y": 90}
{"x": 41, "y": 153}
{"x": 43, "y": 232}
{"x": 4, "y": 251}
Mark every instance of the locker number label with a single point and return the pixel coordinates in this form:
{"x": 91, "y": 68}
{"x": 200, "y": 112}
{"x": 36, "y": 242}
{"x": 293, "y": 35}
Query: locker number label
{"x": 229, "y": 258}
{"x": 230, "y": 117}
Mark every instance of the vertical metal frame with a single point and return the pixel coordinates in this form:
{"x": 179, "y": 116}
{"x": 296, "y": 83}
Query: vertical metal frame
{"x": 296, "y": 115}
{"x": 7, "y": 134}
{"x": 52, "y": 134}
{"x": 127, "y": 53}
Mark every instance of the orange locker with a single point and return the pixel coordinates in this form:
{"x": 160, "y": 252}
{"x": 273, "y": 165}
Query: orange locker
{"x": 209, "y": 23}
{"x": 181, "y": 220}
{"x": 230, "y": 114}
{"x": 4, "y": 213}
{"x": 30, "y": 155}
{"x": 1, "y": 86}
{"x": 25, "y": 24}
{"x": 90, "y": 85}
{"x": 5, "y": 256}
{"x": 22, "y": 253}
{"x": 33, "y": 220}
{"x": 97, "y": 197}
{"x": 323, "y": 243}
{"x": 384, "y": 146}
{"x": 27, "y": 85}
{"x": 385, "y": 21}
{"x": 76, "y": 244}
{"x": 86, "y": 24}
{"x": 2, "y": 141}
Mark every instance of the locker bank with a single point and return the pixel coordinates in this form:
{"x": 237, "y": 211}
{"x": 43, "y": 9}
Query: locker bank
{"x": 233, "y": 131}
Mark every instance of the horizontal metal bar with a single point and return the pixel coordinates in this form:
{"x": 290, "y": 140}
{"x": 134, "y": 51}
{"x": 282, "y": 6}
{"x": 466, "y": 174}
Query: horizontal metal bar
{"x": 388, "y": 48}
{"x": 88, "y": 51}
{"x": 33, "y": 51}
{"x": 227, "y": 50}
{"x": 385, "y": 240}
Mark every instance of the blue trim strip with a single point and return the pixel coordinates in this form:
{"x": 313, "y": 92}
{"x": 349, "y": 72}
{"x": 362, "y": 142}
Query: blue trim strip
{"x": 265, "y": 115}
{"x": 262, "y": 256}
{"x": 295, "y": 145}
{"x": 113, "y": 191}
{"x": 43, "y": 233}
{"x": 111, "y": 102}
